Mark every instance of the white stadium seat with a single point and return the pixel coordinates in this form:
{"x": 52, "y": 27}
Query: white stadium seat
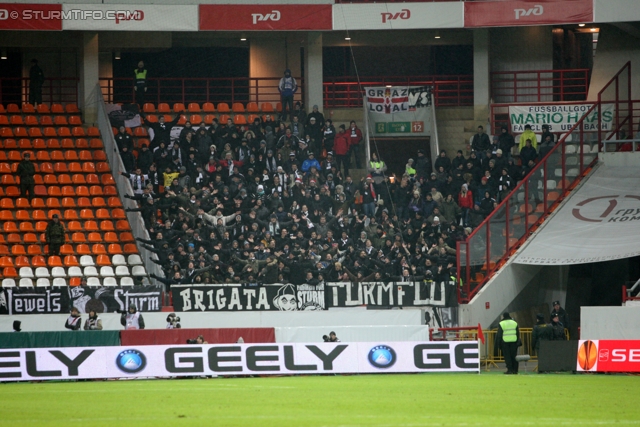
{"x": 118, "y": 260}
{"x": 106, "y": 271}
{"x": 8, "y": 283}
{"x": 86, "y": 260}
{"x": 42, "y": 272}
{"x": 122, "y": 270}
{"x": 43, "y": 283}
{"x": 26, "y": 272}
{"x": 570, "y": 149}
{"x": 26, "y": 283}
{"x": 59, "y": 282}
{"x": 91, "y": 272}
{"x": 126, "y": 281}
{"x": 75, "y": 272}
{"x": 109, "y": 281}
{"x": 58, "y": 272}
{"x": 134, "y": 260}
{"x": 93, "y": 281}
{"x": 138, "y": 270}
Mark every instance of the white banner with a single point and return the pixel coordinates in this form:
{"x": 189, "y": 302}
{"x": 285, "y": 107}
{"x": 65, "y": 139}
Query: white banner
{"x": 560, "y": 118}
{"x": 129, "y": 17}
{"x": 399, "y": 111}
{"x": 397, "y": 16}
{"x": 237, "y": 359}
{"x": 599, "y": 222}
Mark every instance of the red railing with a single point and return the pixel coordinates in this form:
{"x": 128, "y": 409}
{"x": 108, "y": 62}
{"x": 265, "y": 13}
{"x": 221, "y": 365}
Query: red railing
{"x": 347, "y": 92}
{"x": 539, "y": 85}
{"x": 200, "y": 90}
{"x": 54, "y": 90}
{"x": 516, "y": 218}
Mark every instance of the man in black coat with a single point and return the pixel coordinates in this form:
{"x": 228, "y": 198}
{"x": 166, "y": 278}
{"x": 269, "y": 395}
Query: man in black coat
{"x": 480, "y": 142}
{"x": 161, "y": 130}
{"x": 562, "y": 314}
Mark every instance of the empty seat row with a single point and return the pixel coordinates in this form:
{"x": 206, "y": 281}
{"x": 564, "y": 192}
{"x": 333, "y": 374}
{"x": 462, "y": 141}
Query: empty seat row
{"x": 41, "y": 109}
{"x": 62, "y": 282}
{"x": 72, "y": 261}
{"x": 88, "y": 271}
{"x": 49, "y": 132}
{"x": 47, "y": 120}
{"x": 196, "y": 119}
{"x": 67, "y": 249}
{"x": 54, "y": 155}
{"x": 52, "y": 144}
{"x": 38, "y": 203}
{"x": 61, "y": 167}
{"x": 69, "y": 214}
{"x": 73, "y": 226}
{"x": 208, "y": 107}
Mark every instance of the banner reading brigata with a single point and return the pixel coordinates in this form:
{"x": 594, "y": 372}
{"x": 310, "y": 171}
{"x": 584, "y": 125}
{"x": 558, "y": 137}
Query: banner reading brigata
{"x": 304, "y": 297}
{"x": 24, "y": 16}
{"x": 398, "y": 111}
{"x": 560, "y": 118}
{"x": 60, "y": 300}
{"x": 238, "y": 359}
{"x": 608, "y": 356}
{"x": 256, "y": 17}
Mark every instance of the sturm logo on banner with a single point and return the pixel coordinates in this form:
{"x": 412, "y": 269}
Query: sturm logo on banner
{"x": 388, "y": 16}
{"x": 258, "y": 17}
{"x": 382, "y": 356}
{"x": 537, "y": 10}
{"x": 131, "y": 361}
{"x": 588, "y": 210}
{"x": 74, "y": 14}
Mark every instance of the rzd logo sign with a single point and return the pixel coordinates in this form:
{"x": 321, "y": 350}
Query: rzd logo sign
{"x": 602, "y": 211}
{"x": 388, "y": 16}
{"x": 536, "y": 10}
{"x": 258, "y": 17}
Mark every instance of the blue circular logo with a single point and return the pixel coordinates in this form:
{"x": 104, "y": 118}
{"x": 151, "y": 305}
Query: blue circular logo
{"x": 382, "y": 356}
{"x": 131, "y": 361}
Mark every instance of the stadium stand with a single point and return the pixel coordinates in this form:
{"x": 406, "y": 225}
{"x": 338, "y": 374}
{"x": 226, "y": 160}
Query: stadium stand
{"x": 73, "y": 181}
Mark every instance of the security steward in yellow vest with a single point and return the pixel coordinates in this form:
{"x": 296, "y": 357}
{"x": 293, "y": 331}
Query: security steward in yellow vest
{"x": 140, "y": 85}
{"x": 508, "y": 341}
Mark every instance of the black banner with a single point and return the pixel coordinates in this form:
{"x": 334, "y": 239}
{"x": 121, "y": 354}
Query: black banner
{"x": 313, "y": 297}
{"x": 249, "y": 298}
{"x": 61, "y": 300}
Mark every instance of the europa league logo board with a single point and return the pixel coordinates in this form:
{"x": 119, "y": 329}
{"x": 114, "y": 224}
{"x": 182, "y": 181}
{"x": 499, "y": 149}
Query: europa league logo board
{"x": 608, "y": 356}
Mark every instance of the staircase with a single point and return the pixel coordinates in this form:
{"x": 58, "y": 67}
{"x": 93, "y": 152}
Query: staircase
{"x": 455, "y": 127}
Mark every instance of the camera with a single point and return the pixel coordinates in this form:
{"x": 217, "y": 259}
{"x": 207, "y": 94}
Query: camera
{"x": 192, "y": 341}
{"x": 173, "y": 321}
{"x": 325, "y": 338}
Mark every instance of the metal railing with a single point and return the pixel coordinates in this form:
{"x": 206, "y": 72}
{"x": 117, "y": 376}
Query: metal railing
{"x": 347, "y": 92}
{"x": 63, "y": 90}
{"x": 198, "y": 90}
{"x": 522, "y": 210}
{"x": 122, "y": 183}
{"x": 540, "y": 85}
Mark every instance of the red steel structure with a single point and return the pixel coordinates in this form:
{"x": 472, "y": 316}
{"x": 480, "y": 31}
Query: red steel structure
{"x": 540, "y": 85}
{"x": 347, "y": 92}
{"x": 514, "y": 220}
{"x": 62, "y": 90}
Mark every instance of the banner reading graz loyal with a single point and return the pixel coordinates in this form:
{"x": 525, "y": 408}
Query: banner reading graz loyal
{"x": 399, "y": 111}
{"x": 560, "y": 118}
{"x": 288, "y": 297}
{"x": 61, "y": 300}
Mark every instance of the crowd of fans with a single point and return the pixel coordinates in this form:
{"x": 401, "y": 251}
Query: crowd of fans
{"x": 274, "y": 202}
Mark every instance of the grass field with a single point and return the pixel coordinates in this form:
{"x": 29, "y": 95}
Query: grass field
{"x": 365, "y": 400}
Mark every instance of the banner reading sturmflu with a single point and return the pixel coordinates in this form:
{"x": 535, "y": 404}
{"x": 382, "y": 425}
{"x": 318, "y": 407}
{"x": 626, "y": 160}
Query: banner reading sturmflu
{"x": 399, "y": 111}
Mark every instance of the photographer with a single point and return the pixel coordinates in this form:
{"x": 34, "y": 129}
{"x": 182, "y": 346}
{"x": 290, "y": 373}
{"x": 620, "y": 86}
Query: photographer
{"x": 331, "y": 338}
{"x": 93, "y": 322}
{"x": 173, "y": 321}
{"x": 199, "y": 340}
{"x": 74, "y": 321}
{"x": 132, "y": 319}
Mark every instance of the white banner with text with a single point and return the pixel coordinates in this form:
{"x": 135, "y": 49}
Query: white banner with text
{"x": 560, "y": 118}
{"x": 129, "y": 17}
{"x": 237, "y": 359}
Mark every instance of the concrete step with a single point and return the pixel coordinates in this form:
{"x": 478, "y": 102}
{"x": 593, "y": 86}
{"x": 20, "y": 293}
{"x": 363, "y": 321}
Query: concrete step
{"x": 459, "y": 113}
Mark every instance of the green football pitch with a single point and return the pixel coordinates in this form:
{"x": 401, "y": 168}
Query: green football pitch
{"x": 488, "y": 399}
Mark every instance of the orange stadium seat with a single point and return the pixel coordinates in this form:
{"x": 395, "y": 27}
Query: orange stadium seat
{"x": 64, "y": 179}
{"x": 38, "y": 144}
{"x": 29, "y": 121}
{"x": 38, "y": 214}
{"x": 65, "y": 132}
{"x": 80, "y": 143}
{"x": 70, "y": 214}
{"x": 237, "y": 107}
{"x": 71, "y": 108}
{"x": 100, "y": 156}
{"x": 208, "y": 119}
{"x": 71, "y": 261}
{"x": 78, "y": 131}
{"x": 75, "y": 167}
{"x": 4, "y": 121}
{"x": 111, "y": 237}
{"x": 164, "y": 108}
{"x": 23, "y": 215}
{"x": 84, "y": 202}
{"x": 266, "y": 107}
{"x": 78, "y": 237}
{"x": 83, "y": 249}
{"x": 208, "y": 107}
{"x": 224, "y": 118}
{"x": 140, "y": 132}
{"x": 74, "y": 226}
{"x": 13, "y": 238}
{"x": 34, "y": 250}
{"x": 23, "y": 261}
{"x": 252, "y": 107}
{"x": 68, "y": 191}
{"x": 10, "y": 144}
{"x": 96, "y": 190}
{"x": 96, "y": 143}
{"x": 93, "y": 131}
{"x": 94, "y": 237}
{"x": 46, "y": 121}
{"x": 6, "y": 133}
{"x": 103, "y": 214}
{"x": 127, "y": 237}
{"x": 57, "y": 109}
{"x": 223, "y": 107}
{"x": 87, "y": 214}
{"x": 60, "y": 167}
{"x": 114, "y": 202}
{"x": 35, "y": 133}
{"x": 78, "y": 179}
{"x": 194, "y": 107}
{"x": 107, "y": 179}
{"x": 239, "y": 119}
{"x": 114, "y": 248}
{"x": 149, "y": 108}
{"x": 70, "y": 155}
{"x": 61, "y": 121}
{"x": 92, "y": 178}
{"x": 28, "y": 108}
{"x": 122, "y": 225}
{"x": 18, "y": 250}
{"x": 178, "y": 107}
{"x": 106, "y": 226}
{"x": 12, "y": 191}
{"x": 98, "y": 249}
{"x": 75, "y": 121}
{"x": 16, "y": 121}
{"x": 118, "y": 214}
{"x": 195, "y": 119}
{"x": 7, "y": 179}
{"x": 38, "y": 261}
{"x": 13, "y": 108}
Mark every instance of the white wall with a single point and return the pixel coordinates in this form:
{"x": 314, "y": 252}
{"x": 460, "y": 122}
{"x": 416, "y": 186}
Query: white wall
{"x": 255, "y": 319}
{"x": 354, "y": 333}
{"x": 609, "y": 323}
